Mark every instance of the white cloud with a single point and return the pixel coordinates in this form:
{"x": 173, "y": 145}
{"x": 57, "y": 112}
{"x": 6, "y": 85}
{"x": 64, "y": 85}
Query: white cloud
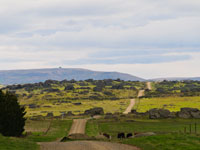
{"x": 48, "y": 33}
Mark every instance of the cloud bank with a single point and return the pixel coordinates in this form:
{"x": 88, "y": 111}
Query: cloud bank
{"x": 102, "y": 35}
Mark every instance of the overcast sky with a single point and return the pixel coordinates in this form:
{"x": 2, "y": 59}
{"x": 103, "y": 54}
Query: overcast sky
{"x": 146, "y": 38}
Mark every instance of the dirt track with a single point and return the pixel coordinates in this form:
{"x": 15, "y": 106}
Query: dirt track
{"x": 85, "y": 145}
{"x": 78, "y": 126}
{"x": 141, "y": 93}
{"x": 149, "y": 86}
{"x": 129, "y": 108}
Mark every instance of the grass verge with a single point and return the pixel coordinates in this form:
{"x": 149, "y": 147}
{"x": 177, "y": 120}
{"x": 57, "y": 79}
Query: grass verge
{"x": 10, "y": 143}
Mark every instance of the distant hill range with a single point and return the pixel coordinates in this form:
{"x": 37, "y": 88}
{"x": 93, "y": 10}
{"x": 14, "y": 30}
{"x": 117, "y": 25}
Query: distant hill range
{"x": 40, "y": 75}
{"x": 176, "y": 79}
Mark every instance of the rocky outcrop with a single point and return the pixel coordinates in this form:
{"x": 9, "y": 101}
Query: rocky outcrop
{"x": 110, "y": 116}
{"x": 184, "y": 113}
{"x": 69, "y": 113}
{"x": 159, "y": 113}
{"x": 94, "y": 111}
{"x": 189, "y": 113}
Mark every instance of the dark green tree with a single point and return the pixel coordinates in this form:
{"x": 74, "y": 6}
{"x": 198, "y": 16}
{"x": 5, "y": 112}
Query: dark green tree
{"x": 12, "y": 119}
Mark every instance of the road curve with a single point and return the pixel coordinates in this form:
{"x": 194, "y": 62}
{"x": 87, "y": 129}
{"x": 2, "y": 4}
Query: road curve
{"x": 129, "y": 108}
{"x": 85, "y": 145}
{"x": 78, "y": 126}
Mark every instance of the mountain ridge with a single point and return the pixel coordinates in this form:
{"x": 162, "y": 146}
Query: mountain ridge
{"x": 23, "y": 76}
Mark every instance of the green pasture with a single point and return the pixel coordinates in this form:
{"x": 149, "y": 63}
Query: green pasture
{"x": 130, "y": 125}
{"x": 37, "y": 132}
{"x": 11, "y": 143}
{"x": 47, "y": 130}
{"x": 172, "y": 141}
{"x": 169, "y": 133}
{"x": 171, "y": 103}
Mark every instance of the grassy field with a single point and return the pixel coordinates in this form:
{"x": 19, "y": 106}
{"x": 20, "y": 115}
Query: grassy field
{"x": 139, "y": 125}
{"x": 60, "y": 96}
{"x": 174, "y": 88}
{"x": 10, "y": 143}
{"x": 171, "y": 103}
{"x": 58, "y": 129}
{"x": 108, "y": 106}
{"x": 37, "y": 133}
{"x": 169, "y": 136}
{"x": 166, "y": 142}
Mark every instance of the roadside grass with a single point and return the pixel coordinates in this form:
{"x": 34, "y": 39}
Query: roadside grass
{"x": 171, "y": 103}
{"x": 11, "y": 143}
{"x": 166, "y": 142}
{"x": 58, "y": 129}
{"x": 139, "y": 125}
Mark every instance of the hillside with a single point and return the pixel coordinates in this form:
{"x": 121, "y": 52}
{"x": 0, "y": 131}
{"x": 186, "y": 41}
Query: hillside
{"x": 76, "y": 96}
{"x": 177, "y": 79}
{"x": 41, "y": 75}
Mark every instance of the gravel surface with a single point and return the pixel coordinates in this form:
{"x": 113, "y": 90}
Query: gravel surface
{"x": 86, "y": 145}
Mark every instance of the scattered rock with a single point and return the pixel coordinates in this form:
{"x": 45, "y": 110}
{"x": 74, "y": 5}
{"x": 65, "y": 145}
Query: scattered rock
{"x": 184, "y": 115}
{"x": 94, "y": 111}
{"x": 47, "y": 106}
{"x": 189, "y": 113}
{"x": 173, "y": 115}
{"x": 33, "y": 106}
{"x": 159, "y": 113}
{"x": 195, "y": 115}
{"x": 110, "y": 117}
{"x": 69, "y": 113}
{"x": 49, "y": 115}
{"x": 77, "y": 104}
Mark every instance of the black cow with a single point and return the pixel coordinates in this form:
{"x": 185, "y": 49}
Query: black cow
{"x": 107, "y": 135}
{"x": 129, "y": 135}
{"x": 121, "y": 136}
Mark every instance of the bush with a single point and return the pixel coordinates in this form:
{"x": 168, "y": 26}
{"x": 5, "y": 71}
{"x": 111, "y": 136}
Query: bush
{"x": 69, "y": 87}
{"x": 12, "y": 119}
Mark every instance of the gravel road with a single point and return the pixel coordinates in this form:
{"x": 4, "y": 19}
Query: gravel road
{"x": 78, "y": 126}
{"x": 129, "y": 108}
{"x": 149, "y": 86}
{"x": 85, "y": 145}
{"x": 140, "y": 93}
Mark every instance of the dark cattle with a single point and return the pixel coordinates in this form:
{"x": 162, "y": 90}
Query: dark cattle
{"x": 107, "y": 135}
{"x": 121, "y": 136}
{"x": 129, "y": 135}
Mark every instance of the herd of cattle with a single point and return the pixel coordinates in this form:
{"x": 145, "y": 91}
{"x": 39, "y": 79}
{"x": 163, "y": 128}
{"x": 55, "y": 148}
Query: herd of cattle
{"x": 120, "y": 135}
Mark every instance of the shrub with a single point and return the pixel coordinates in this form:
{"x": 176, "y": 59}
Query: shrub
{"x": 69, "y": 87}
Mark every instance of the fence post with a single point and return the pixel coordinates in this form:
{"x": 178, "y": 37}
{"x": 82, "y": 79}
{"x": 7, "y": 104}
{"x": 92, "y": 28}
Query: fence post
{"x": 195, "y": 127}
{"x": 190, "y": 128}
